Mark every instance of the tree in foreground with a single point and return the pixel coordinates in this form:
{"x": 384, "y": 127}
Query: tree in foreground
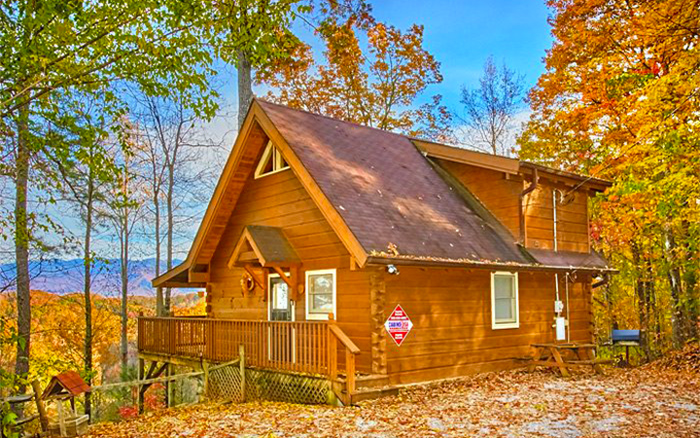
{"x": 53, "y": 51}
{"x": 619, "y": 99}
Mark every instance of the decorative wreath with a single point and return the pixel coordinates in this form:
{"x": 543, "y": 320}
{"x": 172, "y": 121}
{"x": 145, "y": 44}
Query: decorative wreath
{"x": 247, "y": 283}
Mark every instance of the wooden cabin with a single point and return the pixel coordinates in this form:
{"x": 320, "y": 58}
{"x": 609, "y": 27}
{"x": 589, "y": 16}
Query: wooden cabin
{"x": 318, "y": 229}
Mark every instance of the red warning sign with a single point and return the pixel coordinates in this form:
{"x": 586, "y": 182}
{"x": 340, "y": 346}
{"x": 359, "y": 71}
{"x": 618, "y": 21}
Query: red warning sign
{"x": 398, "y": 325}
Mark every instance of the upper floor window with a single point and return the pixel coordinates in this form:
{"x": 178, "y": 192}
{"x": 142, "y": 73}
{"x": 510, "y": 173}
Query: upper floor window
{"x": 270, "y": 162}
{"x": 504, "y": 300}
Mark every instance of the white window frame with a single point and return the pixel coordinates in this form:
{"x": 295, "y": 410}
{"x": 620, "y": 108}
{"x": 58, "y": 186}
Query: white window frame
{"x": 497, "y": 325}
{"x": 320, "y": 316}
{"x": 277, "y": 158}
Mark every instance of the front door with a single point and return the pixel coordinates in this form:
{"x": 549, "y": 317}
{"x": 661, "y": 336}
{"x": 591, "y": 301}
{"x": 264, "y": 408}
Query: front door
{"x": 280, "y": 304}
{"x": 281, "y": 337}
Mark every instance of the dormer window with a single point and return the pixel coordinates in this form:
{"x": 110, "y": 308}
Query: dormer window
{"x": 270, "y": 162}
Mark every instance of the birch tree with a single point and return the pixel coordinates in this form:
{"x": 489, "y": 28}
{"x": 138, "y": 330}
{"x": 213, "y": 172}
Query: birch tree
{"x": 490, "y": 109}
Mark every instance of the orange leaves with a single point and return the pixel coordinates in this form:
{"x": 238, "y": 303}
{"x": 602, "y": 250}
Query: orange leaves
{"x": 372, "y": 85}
{"x": 58, "y": 329}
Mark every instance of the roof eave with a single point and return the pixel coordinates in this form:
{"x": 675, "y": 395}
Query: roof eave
{"x": 473, "y": 264}
{"x": 168, "y": 279}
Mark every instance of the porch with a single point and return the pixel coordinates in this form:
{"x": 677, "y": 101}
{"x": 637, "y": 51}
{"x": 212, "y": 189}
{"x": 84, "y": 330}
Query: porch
{"x": 305, "y": 348}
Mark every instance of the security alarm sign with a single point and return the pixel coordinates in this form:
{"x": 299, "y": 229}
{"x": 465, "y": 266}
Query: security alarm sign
{"x": 398, "y": 325}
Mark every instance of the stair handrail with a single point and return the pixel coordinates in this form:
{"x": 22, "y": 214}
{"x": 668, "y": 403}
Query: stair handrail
{"x": 335, "y": 334}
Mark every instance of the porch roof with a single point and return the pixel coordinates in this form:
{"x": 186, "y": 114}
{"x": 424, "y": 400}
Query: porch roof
{"x": 266, "y": 245}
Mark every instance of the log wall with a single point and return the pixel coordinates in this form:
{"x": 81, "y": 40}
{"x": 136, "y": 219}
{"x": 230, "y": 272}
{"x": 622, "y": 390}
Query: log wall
{"x": 500, "y": 194}
{"x": 451, "y": 314}
{"x": 279, "y": 200}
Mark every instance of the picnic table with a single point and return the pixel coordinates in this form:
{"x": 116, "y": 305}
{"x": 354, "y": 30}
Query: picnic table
{"x": 563, "y": 356}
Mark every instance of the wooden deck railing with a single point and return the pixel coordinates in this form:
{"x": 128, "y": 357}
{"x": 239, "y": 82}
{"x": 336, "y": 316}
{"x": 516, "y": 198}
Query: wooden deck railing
{"x": 305, "y": 346}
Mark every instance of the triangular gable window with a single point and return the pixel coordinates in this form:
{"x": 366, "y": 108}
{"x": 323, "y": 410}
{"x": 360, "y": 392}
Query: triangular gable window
{"x": 270, "y": 162}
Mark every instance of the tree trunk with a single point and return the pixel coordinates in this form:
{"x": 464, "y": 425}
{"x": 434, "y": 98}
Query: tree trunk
{"x": 124, "y": 346}
{"x": 24, "y": 311}
{"x": 245, "y": 87}
{"x": 171, "y": 221}
{"x": 87, "y": 261}
{"x": 641, "y": 292}
{"x": 674, "y": 279}
{"x": 159, "y": 290}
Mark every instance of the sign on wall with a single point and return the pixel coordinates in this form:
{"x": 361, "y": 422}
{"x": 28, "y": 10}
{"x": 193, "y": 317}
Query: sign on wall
{"x": 398, "y": 325}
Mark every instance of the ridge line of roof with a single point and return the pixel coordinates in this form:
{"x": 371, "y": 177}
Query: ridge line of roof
{"x": 411, "y": 138}
{"x": 520, "y": 162}
{"x": 333, "y": 118}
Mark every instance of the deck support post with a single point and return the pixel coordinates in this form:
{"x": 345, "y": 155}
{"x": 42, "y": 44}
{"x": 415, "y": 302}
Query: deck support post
{"x": 169, "y": 385}
{"x": 349, "y": 373}
{"x": 205, "y": 369}
{"x": 142, "y": 364}
{"x": 332, "y": 352}
{"x": 241, "y": 354}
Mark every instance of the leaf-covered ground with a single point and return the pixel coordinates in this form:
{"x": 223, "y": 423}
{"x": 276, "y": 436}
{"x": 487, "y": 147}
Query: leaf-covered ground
{"x": 648, "y": 401}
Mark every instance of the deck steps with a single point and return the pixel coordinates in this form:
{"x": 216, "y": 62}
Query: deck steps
{"x": 368, "y": 387}
{"x": 371, "y": 381}
{"x": 375, "y": 393}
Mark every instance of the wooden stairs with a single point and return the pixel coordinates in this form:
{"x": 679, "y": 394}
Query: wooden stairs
{"x": 367, "y": 387}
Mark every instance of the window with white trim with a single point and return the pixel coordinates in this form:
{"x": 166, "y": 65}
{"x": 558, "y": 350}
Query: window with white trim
{"x": 320, "y": 293}
{"x": 270, "y": 162}
{"x": 504, "y": 300}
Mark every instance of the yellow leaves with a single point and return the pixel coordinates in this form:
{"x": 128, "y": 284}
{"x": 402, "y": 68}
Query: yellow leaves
{"x": 371, "y": 85}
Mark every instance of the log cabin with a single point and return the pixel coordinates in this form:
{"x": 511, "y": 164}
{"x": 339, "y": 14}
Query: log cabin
{"x": 319, "y": 228}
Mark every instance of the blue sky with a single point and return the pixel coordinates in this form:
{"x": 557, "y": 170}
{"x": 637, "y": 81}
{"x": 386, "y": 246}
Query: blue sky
{"x": 462, "y": 34}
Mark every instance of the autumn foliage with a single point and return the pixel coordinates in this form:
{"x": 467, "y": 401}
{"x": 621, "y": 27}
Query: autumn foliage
{"x": 620, "y": 100}
{"x": 375, "y": 84}
{"x": 58, "y": 327}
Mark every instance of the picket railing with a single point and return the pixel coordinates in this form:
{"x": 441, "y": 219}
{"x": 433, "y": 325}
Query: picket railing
{"x": 304, "y": 346}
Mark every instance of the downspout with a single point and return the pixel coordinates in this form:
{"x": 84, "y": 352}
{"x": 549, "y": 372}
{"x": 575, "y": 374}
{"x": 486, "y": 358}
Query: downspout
{"x": 521, "y": 213}
{"x": 554, "y": 217}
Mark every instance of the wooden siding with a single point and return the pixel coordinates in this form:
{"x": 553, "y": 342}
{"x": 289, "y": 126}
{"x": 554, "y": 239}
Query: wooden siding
{"x": 498, "y": 194}
{"x": 572, "y": 219}
{"x": 451, "y": 314}
{"x": 279, "y": 200}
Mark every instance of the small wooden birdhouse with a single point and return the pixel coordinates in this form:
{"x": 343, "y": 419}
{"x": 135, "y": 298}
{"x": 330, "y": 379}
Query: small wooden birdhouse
{"x": 66, "y": 386}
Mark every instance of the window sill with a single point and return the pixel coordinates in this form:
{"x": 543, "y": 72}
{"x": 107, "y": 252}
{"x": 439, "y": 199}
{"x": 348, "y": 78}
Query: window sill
{"x": 317, "y": 316}
{"x": 505, "y": 325}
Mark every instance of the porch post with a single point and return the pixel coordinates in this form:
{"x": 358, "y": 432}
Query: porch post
{"x": 332, "y": 351}
{"x": 241, "y": 354}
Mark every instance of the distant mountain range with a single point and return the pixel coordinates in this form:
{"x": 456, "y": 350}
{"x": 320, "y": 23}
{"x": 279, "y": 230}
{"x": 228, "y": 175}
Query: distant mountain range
{"x": 67, "y": 276}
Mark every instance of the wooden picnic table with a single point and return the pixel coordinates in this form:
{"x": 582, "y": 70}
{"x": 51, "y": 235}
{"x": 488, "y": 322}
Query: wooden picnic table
{"x": 550, "y": 355}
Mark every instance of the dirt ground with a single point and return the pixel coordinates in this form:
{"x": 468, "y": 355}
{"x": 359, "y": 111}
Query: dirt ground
{"x": 646, "y": 401}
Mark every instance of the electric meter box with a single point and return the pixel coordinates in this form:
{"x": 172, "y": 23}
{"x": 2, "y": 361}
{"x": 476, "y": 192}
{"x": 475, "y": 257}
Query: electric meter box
{"x": 560, "y": 324}
{"x": 558, "y": 306}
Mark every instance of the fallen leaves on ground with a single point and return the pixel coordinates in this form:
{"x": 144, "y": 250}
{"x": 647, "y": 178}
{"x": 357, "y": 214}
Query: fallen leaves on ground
{"x": 624, "y": 403}
{"x": 686, "y": 360}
